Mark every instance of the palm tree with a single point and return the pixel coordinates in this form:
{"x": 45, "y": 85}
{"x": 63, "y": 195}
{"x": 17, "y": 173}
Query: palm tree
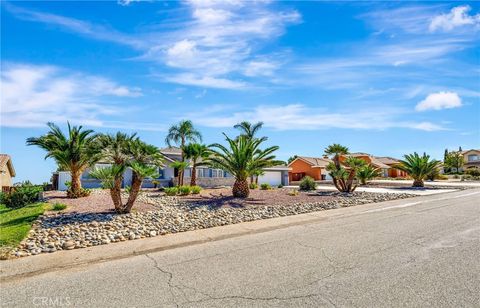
{"x": 418, "y": 167}
{"x": 336, "y": 150}
{"x": 241, "y": 158}
{"x": 367, "y": 173}
{"x": 248, "y": 129}
{"x": 195, "y": 152}
{"x": 75, "y": 152}
{"x": 180, "y": 134}
{"x": 115, "y": 150}
{"x": 180, "y": 166}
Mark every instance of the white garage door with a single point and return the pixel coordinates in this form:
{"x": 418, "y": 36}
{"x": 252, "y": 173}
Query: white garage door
{"x": 271, "y": 177}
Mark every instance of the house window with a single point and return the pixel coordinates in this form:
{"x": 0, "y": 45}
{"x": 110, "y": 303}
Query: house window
{"x": 202, "y": 173}
{"x": 472, "y": 157}
{"x": 161, "y": 173}
{"x": 217, "y": 173}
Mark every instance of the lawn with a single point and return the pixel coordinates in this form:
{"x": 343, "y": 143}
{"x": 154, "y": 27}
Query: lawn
{"x": 15, "y": 224}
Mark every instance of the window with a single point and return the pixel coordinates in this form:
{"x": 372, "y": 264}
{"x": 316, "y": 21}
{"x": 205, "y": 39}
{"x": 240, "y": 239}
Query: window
{"x": 161, "y": 173}
{"x": 202, "y": 173}
{"x": 472, "y": 157}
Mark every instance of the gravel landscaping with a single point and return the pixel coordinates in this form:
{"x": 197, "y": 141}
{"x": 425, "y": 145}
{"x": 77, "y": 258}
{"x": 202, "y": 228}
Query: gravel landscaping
{"x": 77, "y": 229}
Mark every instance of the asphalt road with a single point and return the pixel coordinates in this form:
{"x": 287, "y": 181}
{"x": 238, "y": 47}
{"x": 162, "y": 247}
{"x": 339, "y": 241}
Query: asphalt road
{"x": 413, "y": 254}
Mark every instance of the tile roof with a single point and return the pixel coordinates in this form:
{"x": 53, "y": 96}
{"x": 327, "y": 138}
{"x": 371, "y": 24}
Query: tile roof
{"x": 388, "y": 160}
{"x": 171, "y": 151}
{"x": 374, "y": 160}
{"x": 5, "y": 159}
{"x": 316, "y": 161}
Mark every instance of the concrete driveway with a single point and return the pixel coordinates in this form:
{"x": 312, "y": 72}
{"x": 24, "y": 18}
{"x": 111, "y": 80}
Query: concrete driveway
{"x": 412, "y": 191}
{"x": 413, "y": 253}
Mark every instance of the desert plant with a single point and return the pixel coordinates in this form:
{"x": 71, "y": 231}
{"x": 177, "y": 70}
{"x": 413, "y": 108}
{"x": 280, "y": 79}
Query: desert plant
{"x": 180, "y": 166}
{"x": 21, "y": 195}
{"x": 473, "y": 172}
{"x": 253, "y": 186}
{"x": 265, "y": 186}
{"x": 195, "y": 152}
{"x": 75, "y": 152}
{"x": 344, "y": 179}
{"x": 367, "y": 173}
{"x": 242, "y": 156}
{"x": 280, "y": 186}
{"x": 195, "y": 189}
{"x": 170, "y": 191}
{"x": 155, "y": 183}
{"x": 183, "y": 190}
{"x": 180, "y": 134}
{"x": 58, "y": 206}
{"x": 307, "y": 184}
{"x": 418, "y": 167}
{"x": 293, "y": 192}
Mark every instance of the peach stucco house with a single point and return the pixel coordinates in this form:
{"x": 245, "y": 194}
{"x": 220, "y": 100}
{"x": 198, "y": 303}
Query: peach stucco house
{"x": 471, "y": 159}
{"x": 313, "y": 167}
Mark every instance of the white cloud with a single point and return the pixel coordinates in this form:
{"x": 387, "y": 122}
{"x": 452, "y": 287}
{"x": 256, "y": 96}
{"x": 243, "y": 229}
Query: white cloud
{"x": 206, "y": 81}
{"x": 457, "y": 17}
{"x": 440, "y": 100}
{"x": 34, "y": 94}
{"x": 300, "y": 117}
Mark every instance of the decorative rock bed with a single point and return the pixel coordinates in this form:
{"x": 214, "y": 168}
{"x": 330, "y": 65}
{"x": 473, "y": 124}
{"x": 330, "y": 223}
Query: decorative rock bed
{"x": 67, "y": 231}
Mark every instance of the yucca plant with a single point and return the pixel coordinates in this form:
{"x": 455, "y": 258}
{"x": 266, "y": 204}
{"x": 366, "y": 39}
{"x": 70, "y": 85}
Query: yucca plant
{"x": 344, "y": 178}
{"x": 195, "y": 152}
{"x": 242, "y": 156}
{"x": 418, "y": 167}
{"x": 367, "y": 173}
{"x": 74, "y": 152}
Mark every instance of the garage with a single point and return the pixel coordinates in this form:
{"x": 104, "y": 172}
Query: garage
{"x": 274, "y": 176}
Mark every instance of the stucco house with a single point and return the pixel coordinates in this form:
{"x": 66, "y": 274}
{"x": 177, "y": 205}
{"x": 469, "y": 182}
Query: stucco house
{"x": 391, "y": 162}
{"x": 471, "y": 159}
{"x": 7, "y": 172}
{"x": 206, "y": 176}
{"x": 314, "y": 167}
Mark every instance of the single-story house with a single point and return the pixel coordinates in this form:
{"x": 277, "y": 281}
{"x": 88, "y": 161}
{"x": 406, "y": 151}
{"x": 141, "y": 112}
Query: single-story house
{"x": 206, "y": 176}
{"x": 372, "y": 160}
{"x": 7, "y": 172}
{"x": 313, "y": 167}
{"x": 392, "y": 172}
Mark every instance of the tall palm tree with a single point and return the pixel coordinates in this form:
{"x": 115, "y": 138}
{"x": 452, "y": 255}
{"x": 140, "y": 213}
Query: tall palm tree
{"x": 418, "y": 167}
{"x": 180, "y": 134}
{"x": 241, "y": 158}
{"x": 115, "y": 150}
{"x": 74, "y": 152}
{"x": 196, "y": 152}
{"x": 248, "y": 129}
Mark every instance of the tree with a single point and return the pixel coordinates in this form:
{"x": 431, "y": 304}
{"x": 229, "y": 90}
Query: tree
{"x": 345, "y": 179}
{"x": 143, "y": 159}
{"x": 180, "y": 134}
{"x": 454, "y": 160}
{"x": 180, "y": 166}
{"x": 418, "y": 167}
{"x": 195, "y": 152}
{"x": 291, "y": 158}
{"x": 336, "y": 150}
{"x": 241, "y": 158}
{"x": 248, "y": 129}
{"x": 115, "y": 150}
{"x": 75, "y": 152}
{"x": 366, "y": 173}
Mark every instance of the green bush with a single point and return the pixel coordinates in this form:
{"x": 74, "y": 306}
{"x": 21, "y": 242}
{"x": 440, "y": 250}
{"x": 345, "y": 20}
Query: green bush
{"x": 307, "y": 184}
{"x": 170, "y": 191}
{"x": 58, "y": 206}
{"x": 253, "y": 186}
{"x": 184, "y": 190}
{"x": 195, "y": 190}
{"x": 280, "y": 186}
{"x": 293, "y": 192}
{"x": 473, "y": 172}
{"x": 21, "y": 195}
{"x": 265, "y": 186}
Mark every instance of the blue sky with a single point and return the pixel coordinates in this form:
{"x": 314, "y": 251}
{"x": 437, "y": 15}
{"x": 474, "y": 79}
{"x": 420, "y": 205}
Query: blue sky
{"x": 380, "y": 77}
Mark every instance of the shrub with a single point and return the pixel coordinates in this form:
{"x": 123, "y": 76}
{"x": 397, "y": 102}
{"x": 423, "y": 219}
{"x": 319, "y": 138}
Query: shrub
{"x": 253, "y": 186}
{"x": 265, "y": 186}
{"x": 280, "y": 186}
{"x": 58, "y": 206}
{"x": 442, "y": 177}
{"x": 293, "y": 192}
{"x": 195, "y": 189}
{"x": 307, "y": 184}
{"x": 184, "y": 190}
{"x": 21, "y": 195}
{"x": 155, "y": 183}
{"x": 473, "y": 172}
{"x": 170, "y": 191}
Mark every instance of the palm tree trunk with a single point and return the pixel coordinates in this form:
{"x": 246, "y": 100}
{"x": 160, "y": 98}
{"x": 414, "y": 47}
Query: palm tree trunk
{"x": 240, "y": 188}
{"x": 418, "y": 183}
{"x": 181, "y": 172}
{"x": 76, "y": 184}
{"x": 116, "y": 193}
{"x": 135, "y": 189}
{"x": 193, "y": 178}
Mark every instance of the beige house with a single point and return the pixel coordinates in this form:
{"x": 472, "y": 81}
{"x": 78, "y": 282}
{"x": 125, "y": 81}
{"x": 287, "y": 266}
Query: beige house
{"x": 7, "y": 172}
{"x": 471, "y": 159}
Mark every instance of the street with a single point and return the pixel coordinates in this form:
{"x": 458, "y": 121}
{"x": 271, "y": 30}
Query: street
{"x": 421, "y": 253}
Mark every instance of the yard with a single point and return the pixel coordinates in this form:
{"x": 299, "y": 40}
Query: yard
{"x": 90, "y": 221}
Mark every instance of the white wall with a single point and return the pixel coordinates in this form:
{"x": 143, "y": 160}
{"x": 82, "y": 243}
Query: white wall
{"x": 63, "y": 176}
{"x": 274, "y": 178}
